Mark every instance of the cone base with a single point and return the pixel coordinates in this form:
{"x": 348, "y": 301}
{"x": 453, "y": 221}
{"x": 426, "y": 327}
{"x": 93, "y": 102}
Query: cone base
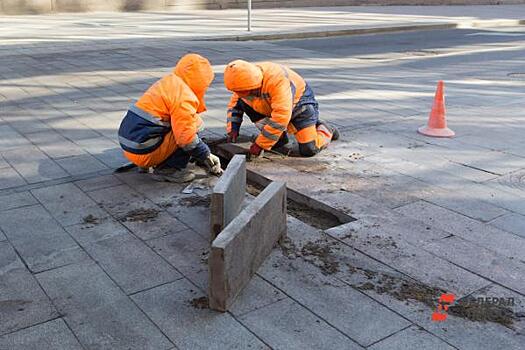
{"x": 444, "y": 132}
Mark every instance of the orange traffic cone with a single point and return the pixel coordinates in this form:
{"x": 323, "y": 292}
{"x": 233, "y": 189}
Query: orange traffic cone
{"x": 437, "y": 124}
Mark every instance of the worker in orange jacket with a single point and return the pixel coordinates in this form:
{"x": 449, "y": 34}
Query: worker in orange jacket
{"x": 161, "y": 129}
{"x": 278, "y": 101}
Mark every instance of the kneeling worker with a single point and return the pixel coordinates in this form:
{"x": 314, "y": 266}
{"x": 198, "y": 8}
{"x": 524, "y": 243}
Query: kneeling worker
{"x": 160, "y": 129}
{"x": 277, "y": 100}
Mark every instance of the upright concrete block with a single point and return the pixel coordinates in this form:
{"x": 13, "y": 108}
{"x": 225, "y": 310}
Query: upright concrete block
{"x": 228, "y": 195}
{"x": 244, "y": 244}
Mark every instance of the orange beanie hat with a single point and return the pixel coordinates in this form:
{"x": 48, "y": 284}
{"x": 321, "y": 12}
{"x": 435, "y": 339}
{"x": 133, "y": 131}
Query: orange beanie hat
{"x": 197, "y": 73}
{"x": 240, "y": 75}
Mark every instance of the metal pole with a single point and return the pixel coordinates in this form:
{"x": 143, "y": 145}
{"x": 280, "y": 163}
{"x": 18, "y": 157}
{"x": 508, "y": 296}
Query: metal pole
{"x": 249, "y": 15}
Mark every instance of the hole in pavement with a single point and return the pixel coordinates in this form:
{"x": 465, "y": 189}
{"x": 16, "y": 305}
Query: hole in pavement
{"x": 300, "y": 206}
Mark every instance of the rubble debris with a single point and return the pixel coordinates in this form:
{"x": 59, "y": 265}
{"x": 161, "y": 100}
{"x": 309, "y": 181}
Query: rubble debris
{"x": 140, "y": 215}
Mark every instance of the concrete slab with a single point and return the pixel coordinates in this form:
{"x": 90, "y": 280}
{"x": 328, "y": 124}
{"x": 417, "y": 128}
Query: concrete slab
{"x": 16, "y": 200}
{"x": 10, "y": 178}
{"x": 97, "y": 311}
{"x": 23, "y": 303}
{"x": 39, "y": 239}
{"x": 50, "y": 335}
{"x": 68, "y": 204}
{"x": 95, "y": 229}
{"x": 413, "y": 337}
{"x": 506, "y": 244}
{"x": 228, "y": 195}
{"x": 288, "y": 325}
{"x": 187, "y": 251}
{"x": 189, "y": 327}
{"x": 244, "y": 244}
{"x": 33, "y": 165}
{"x": 481, "y": 261}
{"x": 257, "y": 294}
{"x": 82, "y": 164}
{"x": 514, "y": 223}
{"x": 469, "y": 334}
{"x": 131, "y": 263}
{"x": 98, "y": 182}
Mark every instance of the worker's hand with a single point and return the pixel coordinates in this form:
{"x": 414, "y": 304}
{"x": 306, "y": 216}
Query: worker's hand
{"x": 213, "y": 164}
{"x": 232, "y": 136}
{"x": 255, "y": 150}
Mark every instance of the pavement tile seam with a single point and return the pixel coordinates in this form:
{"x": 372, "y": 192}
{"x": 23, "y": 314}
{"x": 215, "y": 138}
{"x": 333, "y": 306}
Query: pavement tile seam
{"x": 34, "y": 324}
{"x": 489, "y": 279}
{"x": 59, "y": 181}
{"x": 307, "y": 308}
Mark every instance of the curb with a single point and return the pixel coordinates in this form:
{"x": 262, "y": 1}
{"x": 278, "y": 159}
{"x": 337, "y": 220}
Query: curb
{"x": 364, "y": 31}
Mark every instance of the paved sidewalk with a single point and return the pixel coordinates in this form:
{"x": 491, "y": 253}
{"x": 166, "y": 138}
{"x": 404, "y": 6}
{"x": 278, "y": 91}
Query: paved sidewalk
{"x": 94, "y": 260}
{"x": 267, "y": 23}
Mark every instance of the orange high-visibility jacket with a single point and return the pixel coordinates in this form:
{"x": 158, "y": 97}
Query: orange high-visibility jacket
{"x": 171, "y": 104}
{"x": 281, "y": 90}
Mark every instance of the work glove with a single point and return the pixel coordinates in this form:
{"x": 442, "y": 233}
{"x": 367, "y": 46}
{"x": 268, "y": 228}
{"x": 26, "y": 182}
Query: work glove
{"x": 232, "y": 136}
{"x": 213, "y": 165}
{"x": 255, "y": 150}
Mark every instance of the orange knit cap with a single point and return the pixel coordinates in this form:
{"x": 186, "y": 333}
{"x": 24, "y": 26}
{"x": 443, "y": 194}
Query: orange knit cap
{"x": 240, "y": 75}
{"x": 197, "y": 73}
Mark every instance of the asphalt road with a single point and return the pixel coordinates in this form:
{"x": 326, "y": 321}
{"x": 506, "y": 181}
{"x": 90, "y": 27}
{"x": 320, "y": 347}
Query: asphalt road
{"x": 381, "y": 45}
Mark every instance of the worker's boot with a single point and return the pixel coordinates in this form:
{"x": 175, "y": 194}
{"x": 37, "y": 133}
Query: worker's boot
{"x": 173, "y": 175}
{"x": 333, "y": 129}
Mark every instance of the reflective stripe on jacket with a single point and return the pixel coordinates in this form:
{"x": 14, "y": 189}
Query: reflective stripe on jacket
{"x": 281, "y": 91}
{"x": 168, "y": 105}
{"x": 141, "y": 132}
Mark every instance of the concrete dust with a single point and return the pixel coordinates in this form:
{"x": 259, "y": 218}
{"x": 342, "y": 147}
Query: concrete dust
{"x": 483, "y": 312}
{"x": 200, "y": 303}
{"x": 140, "y": 215}
{"x": 90, "y": 219}
{"x": 319, "y": 253}
{"x": 195, "y": 201}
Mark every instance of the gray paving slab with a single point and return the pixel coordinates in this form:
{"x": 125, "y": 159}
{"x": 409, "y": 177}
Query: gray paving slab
{"x": 196, "y": 216}
{"x": 33, "y": 165}
{"x": 50, "y": 335}
{"x": 104, "y": 150}
{"x": 11, "y": 139}
{"x": 23, "y": 303}
{"x": 514, "y": 223}
{"x": 16, "y": 200}
{"x": 388, "y": 247}
{"x": 470, "y": 334}
{"x": 98, "y": 312}
{"x": 288, "y": 325}
{"x": 257, "y": 294}
{"x": 187, "y": 252}
{"x": 481, "y": 261}
{"x": 39, "y": 239}
{"x": 2, "y": 236}
{"x": 98, "y": 182}
{"x": 10, "y": 178}
{"x": 68, "y": 204}
{"x": 188, "y": 327}
{"x": 54, "y": 145}
{"x": 356, "y": 315}
{"x": 131, "y": 263}
{"x": 244, "y": 244}
{"x": 504, "y": 243}
{"x": 228, "y": 195}
{"x": 121, "y": 200}
{"x": 413, "y": 337}
{"x": 467, "y": 205}
{"x": 82, "y": 164}
{"x": 96, "y": 230}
